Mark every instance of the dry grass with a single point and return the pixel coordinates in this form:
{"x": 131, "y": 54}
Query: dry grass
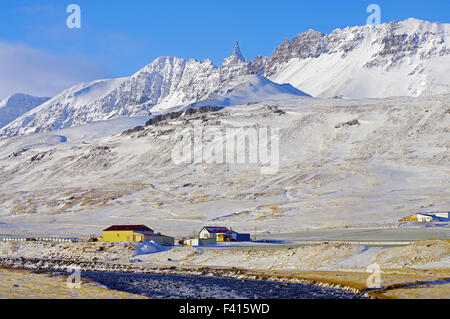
{"x": 62, "y": 200}
{"x": 21, "y": 284}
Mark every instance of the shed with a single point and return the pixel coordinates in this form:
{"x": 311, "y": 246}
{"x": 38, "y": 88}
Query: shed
{"x": 199, "y": 242}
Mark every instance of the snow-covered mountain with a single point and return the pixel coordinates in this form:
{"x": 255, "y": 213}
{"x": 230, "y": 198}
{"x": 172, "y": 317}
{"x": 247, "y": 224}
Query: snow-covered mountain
{"x": 407, "y": 58}
{"x": 165, "y": 83}
{"x": 16, "y": 105}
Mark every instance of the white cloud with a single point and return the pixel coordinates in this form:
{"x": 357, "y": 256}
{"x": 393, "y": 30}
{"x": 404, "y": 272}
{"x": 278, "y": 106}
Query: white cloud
{"x": 24, "y": 69}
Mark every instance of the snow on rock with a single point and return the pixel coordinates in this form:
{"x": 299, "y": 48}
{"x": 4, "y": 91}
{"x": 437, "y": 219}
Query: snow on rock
{"x": 237, "y": 52}
{"x": 167, "y": 82}
{"x": 71, "y": 107}
{"x": 406, "y": 58}
{"x": 151, "y": 247}
{"x": 16, "y": 105}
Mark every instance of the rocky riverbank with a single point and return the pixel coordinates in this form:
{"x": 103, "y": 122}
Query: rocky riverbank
{"x": 420, "y": 270}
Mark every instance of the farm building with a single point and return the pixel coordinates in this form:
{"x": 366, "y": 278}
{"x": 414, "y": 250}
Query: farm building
{"x": 222, "y": 234}
{"x": 240, "y": 237}
{"x": 210, "y": 232}
{"x": 225, "y": 237}
{"x": 426, "y": 217}
{"x": 418, "y": 218}
{"x": 138, "y": 233}
{"x": 199, "y": 242}
{"x": 231, "y": 235}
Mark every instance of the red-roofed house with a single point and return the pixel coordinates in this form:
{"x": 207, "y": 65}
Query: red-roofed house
{"x": 210, "y": 232}
{"x": 221, "y": 234}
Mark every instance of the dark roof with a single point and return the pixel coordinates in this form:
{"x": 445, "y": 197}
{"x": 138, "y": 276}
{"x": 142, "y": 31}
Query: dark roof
{"x": 129, "y": 227}
{"x": 215, "y": 230}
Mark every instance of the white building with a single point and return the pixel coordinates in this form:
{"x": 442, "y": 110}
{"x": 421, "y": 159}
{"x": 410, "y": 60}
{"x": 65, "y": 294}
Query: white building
{"x": 422, "y": 218}
{"x": 210, "y": 232}
{"x": 427, "y": 217}
{"x": 199, "y": 242}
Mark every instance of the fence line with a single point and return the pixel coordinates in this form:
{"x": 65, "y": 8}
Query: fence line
{"x": 40, "y": 239}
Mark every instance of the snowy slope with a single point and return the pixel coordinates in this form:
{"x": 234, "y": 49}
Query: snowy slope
{"x": 80, "y": 135}
{"x": 361, "y": 163}
{"x": 251, "y": 89}
{"x": 71, "y": 107}
{"x": 407, "y": 58}
{"x": 16, "y": 105}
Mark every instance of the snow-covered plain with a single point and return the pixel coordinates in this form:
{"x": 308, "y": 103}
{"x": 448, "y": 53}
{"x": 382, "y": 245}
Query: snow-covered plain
{"x": 357, "y": 163}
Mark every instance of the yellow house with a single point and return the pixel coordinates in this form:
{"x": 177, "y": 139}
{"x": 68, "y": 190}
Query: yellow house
{"x": 126, "y": 233}
{"x": 135, "y": 233}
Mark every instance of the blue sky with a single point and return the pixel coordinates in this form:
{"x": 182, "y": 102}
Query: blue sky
{"x": 119, "y": 37}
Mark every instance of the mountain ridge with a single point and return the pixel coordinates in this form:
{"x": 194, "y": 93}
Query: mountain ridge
{"x": 410, "y": 58}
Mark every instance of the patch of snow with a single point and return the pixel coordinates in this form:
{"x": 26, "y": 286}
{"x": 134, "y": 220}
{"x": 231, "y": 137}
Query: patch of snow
{"x": 151, "y": 247}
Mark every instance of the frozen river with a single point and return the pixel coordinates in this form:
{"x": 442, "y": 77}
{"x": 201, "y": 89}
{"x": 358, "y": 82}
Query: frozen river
{"x": 23, "y": 284}
{"x": 193, "y": 287}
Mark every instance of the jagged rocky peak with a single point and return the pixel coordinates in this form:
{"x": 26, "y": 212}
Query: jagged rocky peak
{"x": 237, "y": 57}
{"x": 235, "y": 65}
{"x": 237, "y": 52}
{"x": 389, "y": 43}
{"x": 309, "y": 44}
{"x": 305, "y": 45}
{"x": 259, "y": 65}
